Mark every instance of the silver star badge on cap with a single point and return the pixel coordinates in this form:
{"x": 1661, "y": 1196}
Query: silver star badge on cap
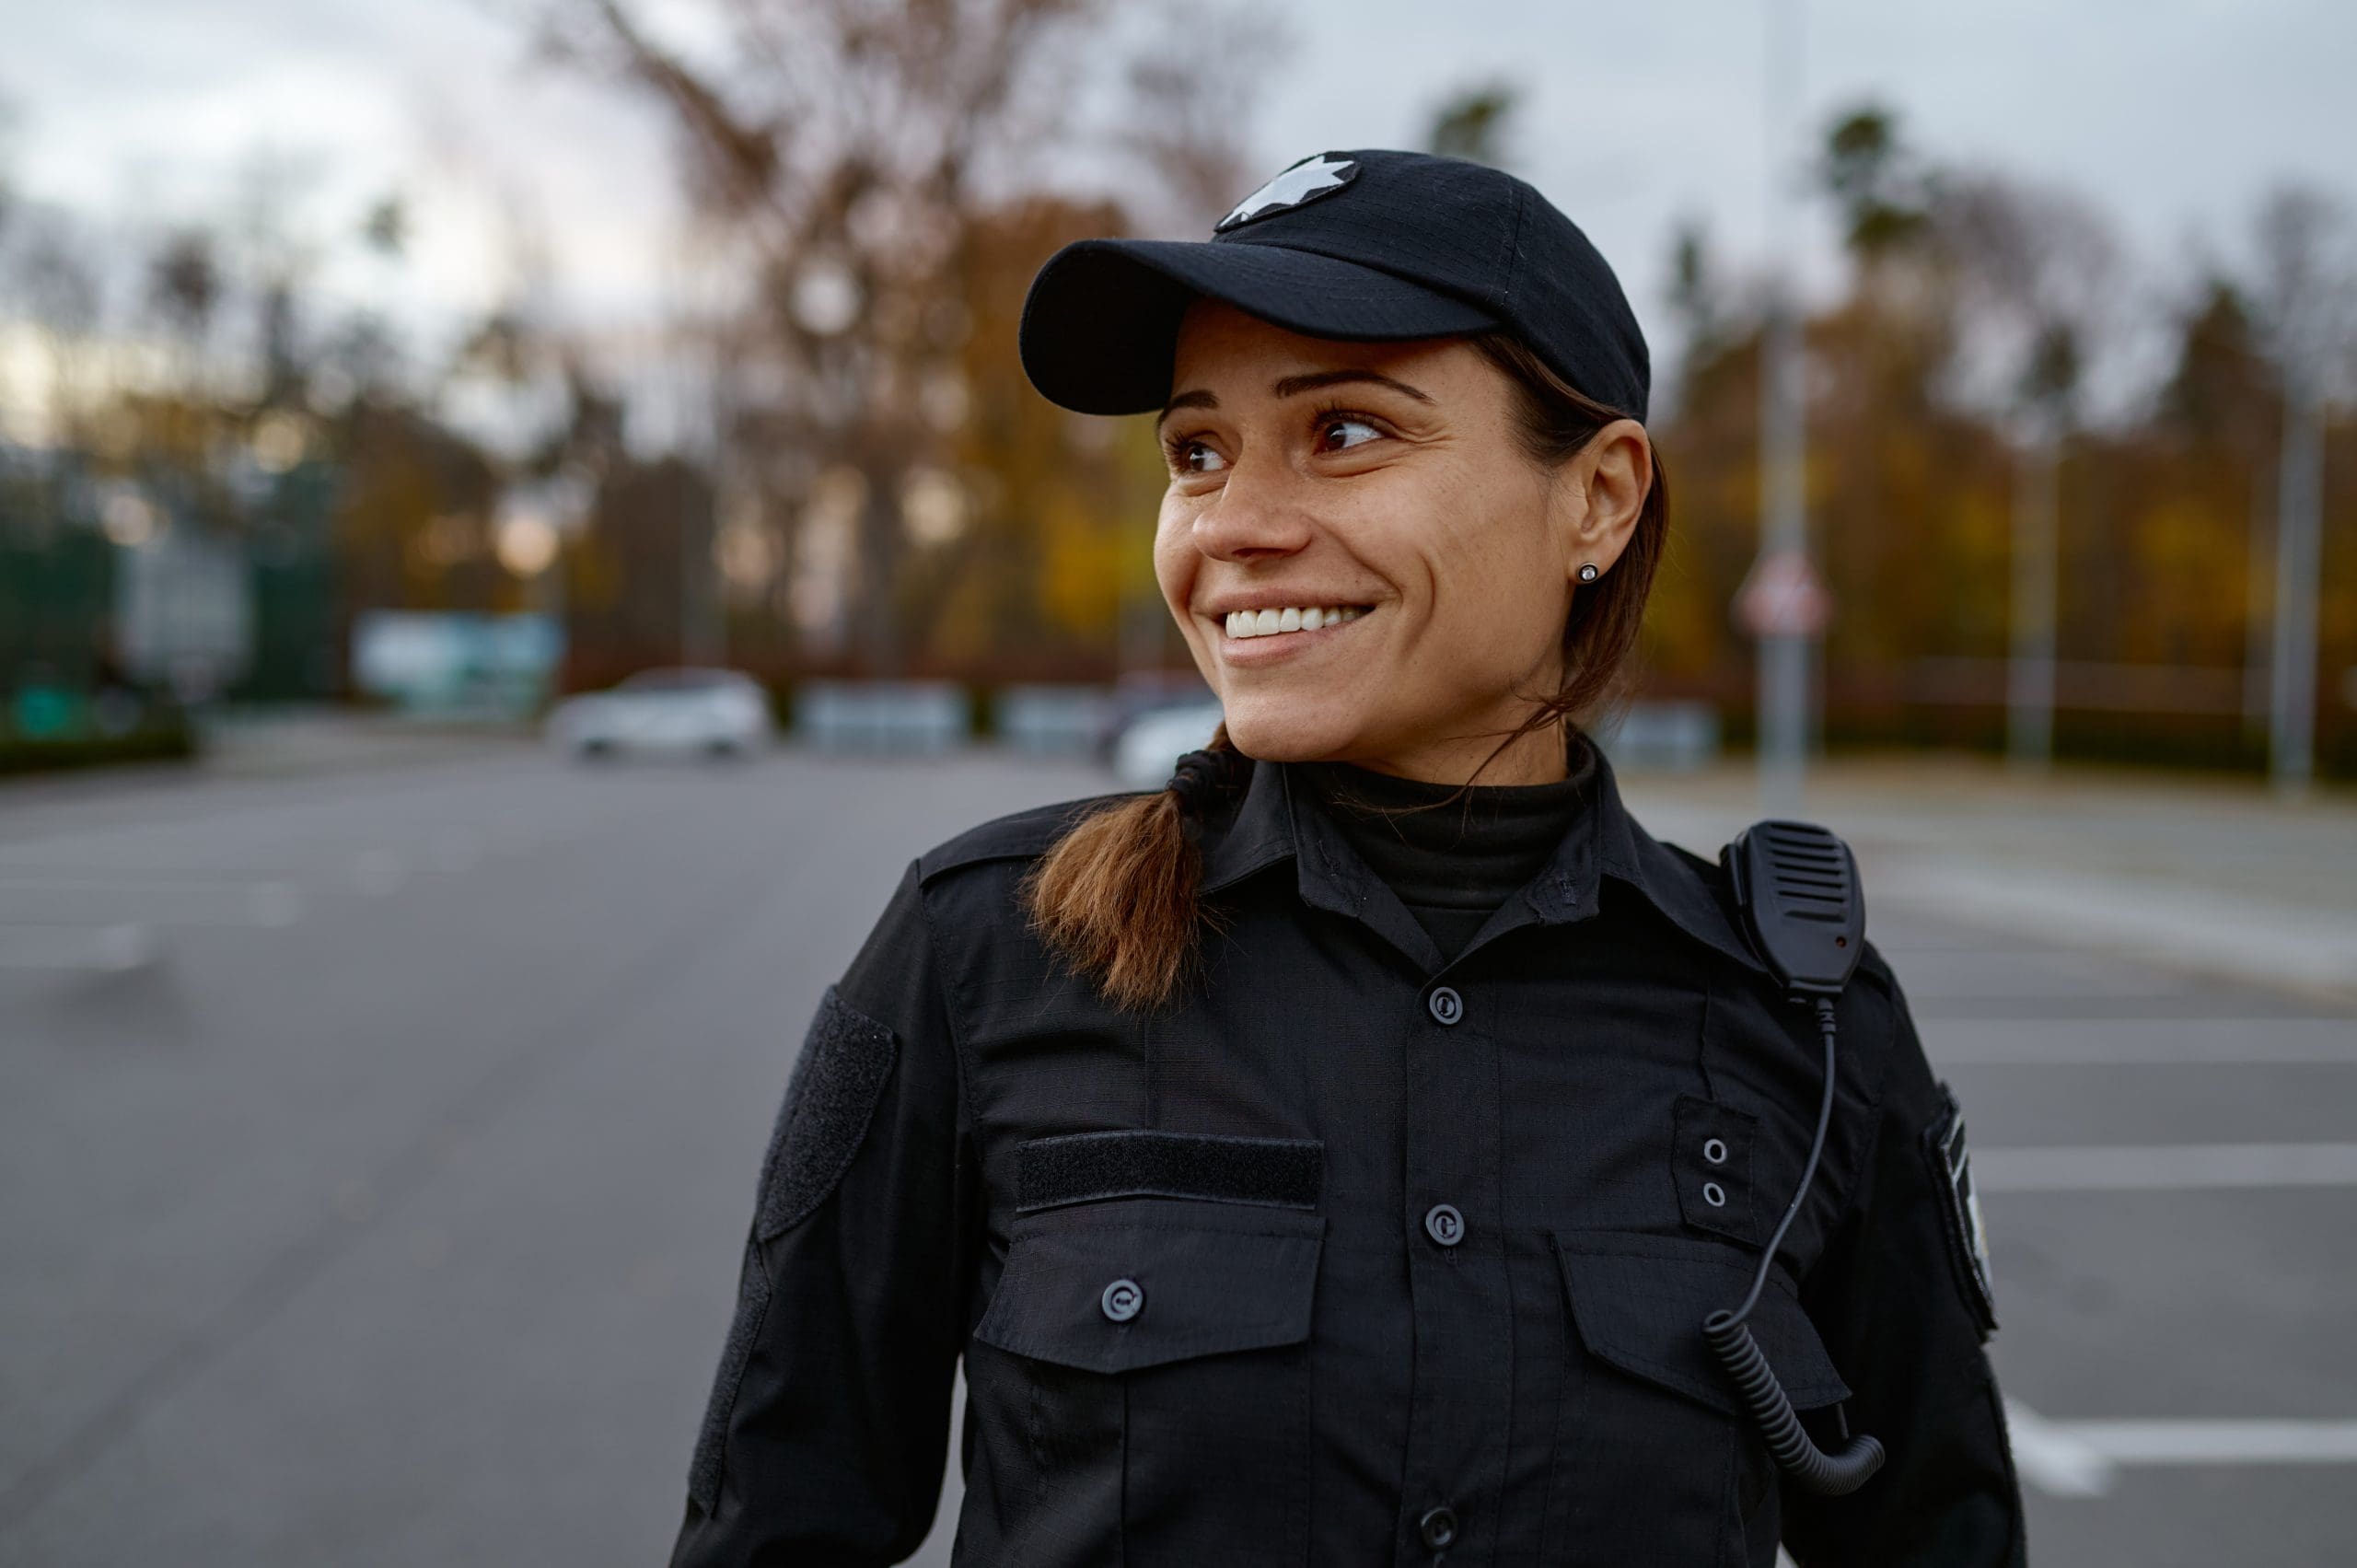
{"x": 1311, "y": 177}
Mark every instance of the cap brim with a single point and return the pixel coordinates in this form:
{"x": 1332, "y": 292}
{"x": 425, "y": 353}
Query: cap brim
{"x": 1102, "y": 318}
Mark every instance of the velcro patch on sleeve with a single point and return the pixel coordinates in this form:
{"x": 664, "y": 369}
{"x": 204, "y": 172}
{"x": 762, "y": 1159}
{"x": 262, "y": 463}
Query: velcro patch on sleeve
{"x": 845, "y": 1063}
{"x": 1960, "y": 1205}
{"x": 1081, "y": 1168}
{"x": 744, "y": 1328}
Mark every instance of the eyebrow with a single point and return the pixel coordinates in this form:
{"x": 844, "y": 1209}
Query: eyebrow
{"x": 1196, "y": 399}
{"x": 1293, "y": 385}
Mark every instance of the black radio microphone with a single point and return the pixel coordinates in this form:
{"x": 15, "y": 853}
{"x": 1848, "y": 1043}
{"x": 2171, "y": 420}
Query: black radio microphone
{"x": 1796, "y": 885}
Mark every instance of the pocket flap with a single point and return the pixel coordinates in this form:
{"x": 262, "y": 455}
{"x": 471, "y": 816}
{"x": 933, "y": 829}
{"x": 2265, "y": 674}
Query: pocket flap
{"x": 1205, "y": 1280}
{"x": 1640, "y": 1302}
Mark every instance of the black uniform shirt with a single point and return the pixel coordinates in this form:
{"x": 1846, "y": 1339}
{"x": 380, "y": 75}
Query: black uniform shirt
{"x": 1355, "y": 1255}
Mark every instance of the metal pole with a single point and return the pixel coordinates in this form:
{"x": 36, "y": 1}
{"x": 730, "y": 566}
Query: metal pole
{"x": 2029, "y": 676}
{"x": 1785, "y": 662}
{"x": 703, "y": 625}
{"x": 2259, "y": 629}
{"x": 2299, "y": 493}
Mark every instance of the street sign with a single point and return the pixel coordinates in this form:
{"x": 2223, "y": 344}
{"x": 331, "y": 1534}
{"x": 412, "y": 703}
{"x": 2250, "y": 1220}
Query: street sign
{"x": 1783, "y": 597}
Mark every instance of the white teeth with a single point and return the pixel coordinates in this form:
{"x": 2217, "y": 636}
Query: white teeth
{"x": 1270, "y": 622}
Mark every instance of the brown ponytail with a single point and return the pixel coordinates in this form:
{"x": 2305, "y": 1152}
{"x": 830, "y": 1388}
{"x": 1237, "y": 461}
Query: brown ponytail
{"x": 1117, "y": 897}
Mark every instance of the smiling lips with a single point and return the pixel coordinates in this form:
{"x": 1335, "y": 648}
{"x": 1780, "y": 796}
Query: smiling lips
{"x": 1244, "y": 623}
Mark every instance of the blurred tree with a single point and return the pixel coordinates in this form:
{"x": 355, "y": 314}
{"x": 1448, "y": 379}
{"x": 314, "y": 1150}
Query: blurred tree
{"x": 365, "y": 357}
{"x": 7, "y": 163}
{"x": 2304, "y": 284}
{"x": 1708, "y": 441}
{"x": 1474, "y": 122}
{"x": 2217, "y": 415}
{"x": 184, "y": 290}
{"x": 1694, "y": 290}
{"x": 1884, "y": 194}
{"x": 503, "y": 344}
{"x": 385, "y": 227}
{"x": 264, "y": 248}
{"x": 2220, "y": 383}
{"x": 413, "y": 517}
{"x": 55, "y": 281}
{"x": 624, "y": 579}
{"x": 1189, "y": 125}
{"x": 850, "y": 153}
{"x": 185, "y": 283}
{"x": 1056, "y": 551}
{"x": 2039, "y": 275}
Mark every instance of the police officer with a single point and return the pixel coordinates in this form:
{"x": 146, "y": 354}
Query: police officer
{"x": 1333, "y": 1157}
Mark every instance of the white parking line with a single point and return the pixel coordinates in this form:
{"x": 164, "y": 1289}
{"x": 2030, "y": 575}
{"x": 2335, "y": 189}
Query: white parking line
{"x": 2156, "y": 1042}
{"x": 2081, "y": 1458}
{"x": 2164, "y": 1167}
{"x": 84, "y": 901}
{"x": 2250, "y": 939}
{"x": 234, "y": 851}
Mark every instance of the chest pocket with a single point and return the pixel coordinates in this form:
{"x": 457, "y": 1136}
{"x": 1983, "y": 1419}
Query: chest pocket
{"x": 1653, "y": 1431}
{"x": 1147, "y": 1374}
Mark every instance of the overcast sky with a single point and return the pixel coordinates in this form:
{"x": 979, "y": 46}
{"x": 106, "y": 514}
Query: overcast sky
{"x": 2173, "y": 115}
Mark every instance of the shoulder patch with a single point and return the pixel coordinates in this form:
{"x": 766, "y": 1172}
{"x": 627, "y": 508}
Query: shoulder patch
{"x": 1951, "y": 1163}
{"x": 1020, "y": 836}
{"x": 846, "y": 1059}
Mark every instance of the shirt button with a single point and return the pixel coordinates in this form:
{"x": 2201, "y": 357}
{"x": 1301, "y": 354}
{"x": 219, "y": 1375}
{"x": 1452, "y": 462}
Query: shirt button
{"x": 1445, "y": 1005}
{"x": 1439, "y": 1526}
{"x": 1122, "y": 1300}
{"x": 1445, "y": 1225}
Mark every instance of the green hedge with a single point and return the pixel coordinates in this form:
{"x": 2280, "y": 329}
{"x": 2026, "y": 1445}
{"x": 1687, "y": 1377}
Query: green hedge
{"x": 173, "y": 744}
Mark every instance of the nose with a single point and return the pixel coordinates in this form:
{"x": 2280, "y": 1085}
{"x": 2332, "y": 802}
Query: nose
{"x": 1255, "y": 516}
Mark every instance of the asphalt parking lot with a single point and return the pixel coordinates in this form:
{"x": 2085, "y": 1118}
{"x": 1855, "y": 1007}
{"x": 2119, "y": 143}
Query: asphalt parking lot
{"x": 375, "y": 1145}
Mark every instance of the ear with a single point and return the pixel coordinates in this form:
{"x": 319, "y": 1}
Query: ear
{"x": 1603, "y": 492}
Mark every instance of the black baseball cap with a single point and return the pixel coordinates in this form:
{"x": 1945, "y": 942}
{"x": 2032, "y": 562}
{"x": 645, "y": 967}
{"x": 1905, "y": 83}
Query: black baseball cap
{"x": 1368, "y": 246}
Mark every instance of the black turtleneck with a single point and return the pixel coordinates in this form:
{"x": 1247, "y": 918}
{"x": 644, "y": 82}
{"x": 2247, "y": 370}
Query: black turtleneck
{"x": 1452, "y": 854}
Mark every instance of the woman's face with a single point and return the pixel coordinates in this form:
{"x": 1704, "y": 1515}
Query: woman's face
{"x": 1368, "y": 566}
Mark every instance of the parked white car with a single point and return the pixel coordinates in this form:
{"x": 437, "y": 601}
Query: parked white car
{"x": 1150, "y": 745}
{"x": 711, "y": 713}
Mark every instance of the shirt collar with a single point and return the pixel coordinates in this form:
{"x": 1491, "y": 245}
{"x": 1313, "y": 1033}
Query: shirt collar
{"x": 1278, "y": 821}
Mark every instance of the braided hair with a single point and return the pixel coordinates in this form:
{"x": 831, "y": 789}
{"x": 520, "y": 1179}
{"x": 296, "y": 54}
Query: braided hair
{"x": 1118, "y": 895}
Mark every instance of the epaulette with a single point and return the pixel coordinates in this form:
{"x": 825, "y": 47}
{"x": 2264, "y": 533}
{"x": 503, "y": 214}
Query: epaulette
{"x": 1019, "y": 835}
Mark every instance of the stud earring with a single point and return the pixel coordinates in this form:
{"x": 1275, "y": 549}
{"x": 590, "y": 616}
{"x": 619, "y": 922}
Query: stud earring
{"x": 1589, "y": 572}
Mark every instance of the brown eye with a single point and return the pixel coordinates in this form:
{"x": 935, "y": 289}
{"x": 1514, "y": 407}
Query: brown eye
{"x": 1193, "y": 456}
{"x": 1340, "y": 433}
